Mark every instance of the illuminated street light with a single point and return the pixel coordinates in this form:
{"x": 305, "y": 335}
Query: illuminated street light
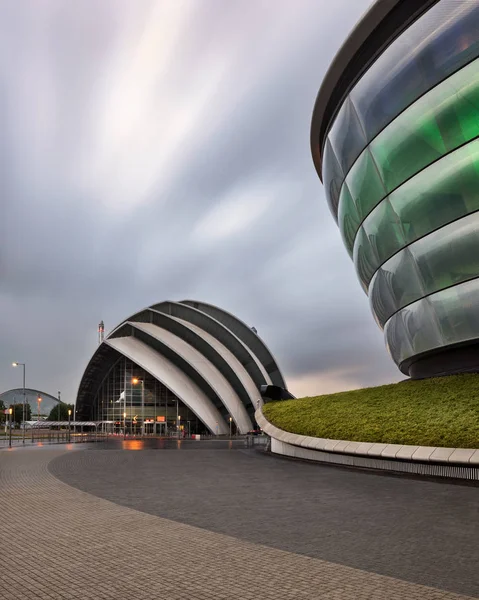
{"x": 19, "y": 364}
{"x": 134, "y": 381}
{"x": 124, "y": 425}
{"x": 69, "y": 429}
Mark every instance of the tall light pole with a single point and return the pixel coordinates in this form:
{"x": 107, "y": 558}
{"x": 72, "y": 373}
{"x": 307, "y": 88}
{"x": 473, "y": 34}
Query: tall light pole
{"x": 231, "y": 419}
{"x": 10, "y": 427}
{"x": 179, "y": 426}
{"x": 69, "y": 429}
{"x": 124, "y": 425}
{"x": 19, "y": 364}
{"x": 59, "y": 406}
{"x": 39, "y": 399}
{"x": 134, "y": 381}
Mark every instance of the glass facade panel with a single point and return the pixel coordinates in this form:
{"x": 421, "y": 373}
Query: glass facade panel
{"x": 346, "y": 136}
{"x": 397, "y": 340}
{"x": 420, "y": 328}
{"x": 441, "y": 121}
{"x": 384, "y": 231}
{"x": 348, "y": 218}
{"x": 365, "y": 258}
{"x": 365, "y": 184}
{"x": 404, "y": 284}
{"x": 158, "y": 411}
{"x": 457, "y": 311}
{"x": 445, "y": 38}
{"x": 449, "y": 255}
{"x": 332, "y": 178}
{"x": 443, "y": 192}
{"x": 380, "y": 298}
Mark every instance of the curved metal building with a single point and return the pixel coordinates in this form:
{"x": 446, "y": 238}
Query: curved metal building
{"x": 187, "y": 365}
{"x": 395, "y": 140}
{"x": 15, "y": 396}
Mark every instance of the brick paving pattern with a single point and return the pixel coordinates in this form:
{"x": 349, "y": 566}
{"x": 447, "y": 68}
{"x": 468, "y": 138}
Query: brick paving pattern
{"x": 401, "y": 527}
{"x": 58, "y": 542}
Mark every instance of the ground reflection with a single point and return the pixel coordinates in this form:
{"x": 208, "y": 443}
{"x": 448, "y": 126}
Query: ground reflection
{"x": 133, "y": 445}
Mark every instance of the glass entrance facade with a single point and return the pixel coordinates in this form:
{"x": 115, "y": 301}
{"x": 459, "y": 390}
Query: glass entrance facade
{"x": 149, "y": 406}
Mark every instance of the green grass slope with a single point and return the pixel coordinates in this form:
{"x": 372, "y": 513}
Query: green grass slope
{"x": 443, "y": 411}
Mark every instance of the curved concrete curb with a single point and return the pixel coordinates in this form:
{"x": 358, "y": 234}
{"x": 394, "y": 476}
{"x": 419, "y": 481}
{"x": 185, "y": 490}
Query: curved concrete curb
{"x": 462, "y": 463}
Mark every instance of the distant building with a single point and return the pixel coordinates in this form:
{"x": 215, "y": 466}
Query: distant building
{"x": 15, "y": 396}
{"x": 395, "y": 140}
{"x": 187, "y": 365}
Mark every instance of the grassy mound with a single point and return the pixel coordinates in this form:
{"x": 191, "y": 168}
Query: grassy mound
{"x": 443, "y": 411}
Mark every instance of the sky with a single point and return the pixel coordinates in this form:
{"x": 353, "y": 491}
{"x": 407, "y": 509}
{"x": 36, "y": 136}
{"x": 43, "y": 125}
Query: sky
{"x": 159, "y": 150}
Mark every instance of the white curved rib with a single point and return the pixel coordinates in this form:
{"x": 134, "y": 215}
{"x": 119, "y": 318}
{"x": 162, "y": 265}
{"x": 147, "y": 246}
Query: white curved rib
{"x": 206, "y": 370}
{"x": 243, "y": 375}
{"x": 173, "y": 378}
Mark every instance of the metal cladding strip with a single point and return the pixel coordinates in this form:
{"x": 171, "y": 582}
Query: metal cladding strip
{"x": 248, "y": 384}
{"x": 219, "y": 331}
{"x": 252, "y": 340}
{"x": 395, "y": 453}
{"x": 205, "y": 369}
{"x": 173, "y": 378}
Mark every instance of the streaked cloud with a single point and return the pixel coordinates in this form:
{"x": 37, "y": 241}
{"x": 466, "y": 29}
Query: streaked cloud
{"x": 160, "y": 149}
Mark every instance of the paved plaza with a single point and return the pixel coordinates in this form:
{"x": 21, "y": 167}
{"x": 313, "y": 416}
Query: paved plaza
{"x": 217, "y": 520}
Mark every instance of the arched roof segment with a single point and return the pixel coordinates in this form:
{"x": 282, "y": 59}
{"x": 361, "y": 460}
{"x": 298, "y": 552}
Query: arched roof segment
{"x": 246, "y": 335}
{"x": 215, "y": 328}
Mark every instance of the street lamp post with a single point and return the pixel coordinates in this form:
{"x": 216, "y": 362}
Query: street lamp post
{"x": 10, "y": 427}
{"x": 135, "y": 380}
{"x": 69, "y": 429}
{"x": 19, "y": 364}
{"x": 59, "y": 407}
{"x": 231, "y": 419}
{"x": 124, "y": 425}
{"x": 179, "y": 426}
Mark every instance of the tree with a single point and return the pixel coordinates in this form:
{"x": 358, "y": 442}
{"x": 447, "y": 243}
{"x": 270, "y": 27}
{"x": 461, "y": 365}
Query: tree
{"x": 63, "y": 408}
{"x": 3, "y": 416}
{"x": 17, "y": 415}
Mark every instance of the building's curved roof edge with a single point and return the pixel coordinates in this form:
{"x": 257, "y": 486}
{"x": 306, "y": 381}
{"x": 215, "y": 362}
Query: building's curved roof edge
{"x": 32, "y": 391}
{"x": 377, "y": 28}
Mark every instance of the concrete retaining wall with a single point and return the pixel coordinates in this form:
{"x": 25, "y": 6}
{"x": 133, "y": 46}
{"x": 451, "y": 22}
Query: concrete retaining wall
{"x": 462, "y": 463}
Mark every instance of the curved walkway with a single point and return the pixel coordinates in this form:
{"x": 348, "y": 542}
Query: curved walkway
{"x": 61, "y": 542}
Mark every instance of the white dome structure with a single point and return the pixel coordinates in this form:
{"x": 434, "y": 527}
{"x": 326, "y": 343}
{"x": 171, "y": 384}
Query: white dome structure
{"x": 180, "y": 364}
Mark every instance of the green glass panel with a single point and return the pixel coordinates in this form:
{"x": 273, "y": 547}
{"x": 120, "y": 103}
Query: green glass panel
{"x": 441, "y": 193}
{"x": 450, "y": 255}
{"x": 365, "y": 258}
{"x": 440, "y": 121}
{"x": 457, "y": 312}
{"x": 397, "y": 340}
{"x": 365, "y": 184}
{"x": 384, "y": 231}
{"x": 348, "y": 218}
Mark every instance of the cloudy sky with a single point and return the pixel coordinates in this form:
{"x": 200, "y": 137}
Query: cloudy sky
{"x": 156, "y": 150}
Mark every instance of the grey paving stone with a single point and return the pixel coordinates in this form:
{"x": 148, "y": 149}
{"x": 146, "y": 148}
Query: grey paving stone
{"x": 395, "y": 526}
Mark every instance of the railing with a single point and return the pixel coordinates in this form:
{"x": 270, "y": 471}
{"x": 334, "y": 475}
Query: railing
{"x": 47, "y": 436}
